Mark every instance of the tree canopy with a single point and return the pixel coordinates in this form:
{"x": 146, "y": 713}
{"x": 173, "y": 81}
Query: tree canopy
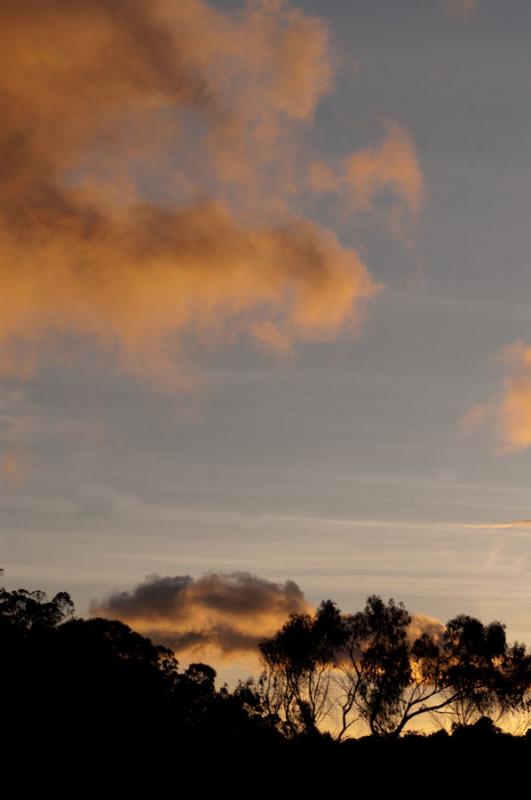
{"x": 369, "y": 668}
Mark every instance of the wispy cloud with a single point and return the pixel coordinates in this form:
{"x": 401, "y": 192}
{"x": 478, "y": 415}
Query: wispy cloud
{"x": 392, "y": 166}
{"x": 461, "y": 9}
{"x": 515, "y": 523}
{"x": 14, "y": 468}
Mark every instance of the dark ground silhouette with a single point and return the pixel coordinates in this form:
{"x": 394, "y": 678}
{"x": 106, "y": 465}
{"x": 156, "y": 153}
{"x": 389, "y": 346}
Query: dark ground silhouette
{"x": 93, "y": 698}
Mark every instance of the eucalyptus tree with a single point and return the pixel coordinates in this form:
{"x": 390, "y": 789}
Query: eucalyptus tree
{"x": 297, "y": 683}
{"x": 369, "y": 668}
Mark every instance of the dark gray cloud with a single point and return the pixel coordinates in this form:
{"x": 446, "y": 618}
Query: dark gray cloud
{"x": 226, "y": 611}
{"x": 224, "y": 638}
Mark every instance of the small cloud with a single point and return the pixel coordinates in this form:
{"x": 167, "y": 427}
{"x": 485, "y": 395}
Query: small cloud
{"x": 423, "y": 624}
{"x": 14, "y": 468}
{"x": 225, "y": 614}
{"x": 461, "y": 9}
{"x": 391, "y": 167}
{"x": 477, "y": 416}
{"x": 508, "y": 415}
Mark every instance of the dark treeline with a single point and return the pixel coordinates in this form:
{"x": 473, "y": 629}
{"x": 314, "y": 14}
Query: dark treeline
{"x": 73, "y": 686}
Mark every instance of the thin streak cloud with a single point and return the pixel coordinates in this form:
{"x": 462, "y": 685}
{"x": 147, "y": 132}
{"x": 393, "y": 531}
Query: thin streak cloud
{"x": 516, "y": 523}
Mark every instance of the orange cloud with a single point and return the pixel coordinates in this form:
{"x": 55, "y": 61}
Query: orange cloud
{"x": 155, "y": 274}
{"x": 147, "y": 154}
{"x": 509, "y": 414}
{"x": 152, "y": 152}
{"x": 515, "y": 523}
{"x": 392, "y": 166}
{"x": 215, "y": 616}
{"x": 423, "y": 624}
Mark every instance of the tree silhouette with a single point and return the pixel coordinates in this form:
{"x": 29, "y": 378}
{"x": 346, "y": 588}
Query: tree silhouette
{"x": 391, "y": 679}
{"x": 376, "y": 663}
{"x": 366, "y": 667}
{"x": 99, "y": 675}
{"x": 296, "y": 685}
{"x": 323, "y": 669}
{"x": 22, "y": 610}
{"x": 484, "y": 673}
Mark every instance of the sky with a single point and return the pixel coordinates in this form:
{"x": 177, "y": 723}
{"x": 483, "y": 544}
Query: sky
{"x": 264, "y": 331}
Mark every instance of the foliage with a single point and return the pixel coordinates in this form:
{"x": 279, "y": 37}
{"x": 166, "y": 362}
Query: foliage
{"x": 366, "y": 667}
{"x": 22, "y": 610}
{"x": 297, "y": 682}
{"x": 376, "y": 663}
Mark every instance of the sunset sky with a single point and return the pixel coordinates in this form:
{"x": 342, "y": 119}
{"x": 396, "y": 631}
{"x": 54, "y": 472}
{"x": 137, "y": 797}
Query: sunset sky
{"x": 265, "y": 281}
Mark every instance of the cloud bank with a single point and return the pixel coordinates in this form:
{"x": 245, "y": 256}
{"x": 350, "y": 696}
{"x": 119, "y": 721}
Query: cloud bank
{"x": 217, "y": 614}
{"x": 153, "y": 157}
{"x": 150, "y": 153}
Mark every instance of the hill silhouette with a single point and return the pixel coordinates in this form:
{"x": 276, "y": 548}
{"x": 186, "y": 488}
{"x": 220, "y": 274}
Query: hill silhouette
{"x": 71, "y": 686}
